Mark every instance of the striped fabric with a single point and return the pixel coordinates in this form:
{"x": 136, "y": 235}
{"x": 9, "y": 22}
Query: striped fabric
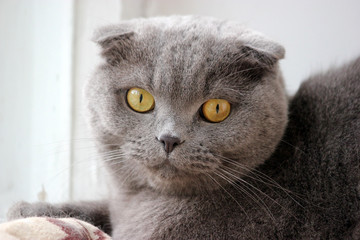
{"x": 44, "y": 228}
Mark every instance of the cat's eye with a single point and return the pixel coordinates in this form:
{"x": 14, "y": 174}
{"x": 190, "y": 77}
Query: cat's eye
{"x": 140, "y": 100}
{"x": 216, "y": 110}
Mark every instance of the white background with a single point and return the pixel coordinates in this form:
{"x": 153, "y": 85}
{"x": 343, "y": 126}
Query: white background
{"x": 46, "y": 151}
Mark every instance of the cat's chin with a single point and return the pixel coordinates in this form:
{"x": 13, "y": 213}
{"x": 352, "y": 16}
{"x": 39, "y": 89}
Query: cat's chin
{"x": 169, "y": 169}
{"x": 165, "y": 171}
{"x": 176, "y": 186}
{"x": 167, "y": 178}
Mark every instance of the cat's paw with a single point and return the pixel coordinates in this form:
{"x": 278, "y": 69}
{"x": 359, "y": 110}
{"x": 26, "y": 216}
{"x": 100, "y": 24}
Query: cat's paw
{"x": 25, "y": 209}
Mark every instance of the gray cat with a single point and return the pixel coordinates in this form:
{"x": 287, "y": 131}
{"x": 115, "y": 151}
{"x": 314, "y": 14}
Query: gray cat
{"x": 194, "y": 119}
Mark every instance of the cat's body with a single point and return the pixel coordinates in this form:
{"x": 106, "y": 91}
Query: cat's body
{"x": 240, "y": 178}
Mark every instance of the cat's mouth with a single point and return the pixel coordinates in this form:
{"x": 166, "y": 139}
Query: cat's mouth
{"x": 168, "y": 178}
{"x": 169, "y": 170}
{"x": 165, "y": 170}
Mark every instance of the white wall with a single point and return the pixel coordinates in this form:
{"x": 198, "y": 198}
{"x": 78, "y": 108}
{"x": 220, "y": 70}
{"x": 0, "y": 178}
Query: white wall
{"x": 16, "y": 36}
{"x": 36, "y": 100}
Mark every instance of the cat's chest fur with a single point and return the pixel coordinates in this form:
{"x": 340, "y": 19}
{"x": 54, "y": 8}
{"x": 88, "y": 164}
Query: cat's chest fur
{"x": 151, "y": 216}
{"x": 147, "y": 216}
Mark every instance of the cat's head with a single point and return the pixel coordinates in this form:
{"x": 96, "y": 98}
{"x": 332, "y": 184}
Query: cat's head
{"x": 179, "y": 100}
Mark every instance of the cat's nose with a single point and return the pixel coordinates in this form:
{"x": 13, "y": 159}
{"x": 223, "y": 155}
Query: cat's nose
{"x": 169, "y": 142}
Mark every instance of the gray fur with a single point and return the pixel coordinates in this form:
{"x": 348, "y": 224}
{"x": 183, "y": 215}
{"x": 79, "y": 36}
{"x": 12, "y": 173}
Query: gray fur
{"x": 238, "y": 179}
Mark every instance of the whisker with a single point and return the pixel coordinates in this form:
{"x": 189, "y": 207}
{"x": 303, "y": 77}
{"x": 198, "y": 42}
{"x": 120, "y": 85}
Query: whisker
{"x": 263, "y": 178}
{"x": 130, "y": 173}
{"x": 115, "y": 163}
{"x": 261, "y": 192}
{"x": 297, "y": 148}
{"x": 257, "y": 179}
{"x": 112, "y": 157}
{"x": 228, "y": 193}
{"x": 255, "y": 172}
{"x": 258, "y": 199}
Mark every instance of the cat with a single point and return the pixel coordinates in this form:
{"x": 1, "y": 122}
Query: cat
{"x": 202, "y": 141}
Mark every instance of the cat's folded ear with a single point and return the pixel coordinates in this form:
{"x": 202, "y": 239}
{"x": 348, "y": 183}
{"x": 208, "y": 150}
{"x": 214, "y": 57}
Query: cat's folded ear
{"x": 256, "y": 55}
{"x": 115, "y": 41}
{"x": 259, "y": 50}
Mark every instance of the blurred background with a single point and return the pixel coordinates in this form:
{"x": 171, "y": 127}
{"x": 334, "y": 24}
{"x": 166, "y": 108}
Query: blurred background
{"x": 46, "y": 150}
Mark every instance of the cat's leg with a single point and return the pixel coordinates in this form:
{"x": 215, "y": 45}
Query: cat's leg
{"x": 94, "y": 212}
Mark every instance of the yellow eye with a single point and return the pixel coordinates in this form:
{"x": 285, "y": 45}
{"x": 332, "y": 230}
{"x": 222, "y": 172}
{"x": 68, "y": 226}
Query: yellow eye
{"x": 140, "y": 100}
{"x": 216, "y": 110}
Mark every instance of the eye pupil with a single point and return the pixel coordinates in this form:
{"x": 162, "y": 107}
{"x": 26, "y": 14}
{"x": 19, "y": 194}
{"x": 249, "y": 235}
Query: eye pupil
{"x": 140, "y": 100}
{"x": 215, "y": 110}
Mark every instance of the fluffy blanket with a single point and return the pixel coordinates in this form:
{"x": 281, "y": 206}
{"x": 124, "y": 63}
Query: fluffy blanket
{"x": 44, "y": 228}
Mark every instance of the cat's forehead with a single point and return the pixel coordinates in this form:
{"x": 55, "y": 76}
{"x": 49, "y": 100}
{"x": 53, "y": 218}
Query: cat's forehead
{"x": 182, "y": 55}
{"x": 182, "y": 71}
{"x": 187, "y": 57}
{"x": 171, "y": 61}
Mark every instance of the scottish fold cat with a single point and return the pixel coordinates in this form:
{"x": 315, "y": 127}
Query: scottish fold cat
{"x": 201, "y": 141}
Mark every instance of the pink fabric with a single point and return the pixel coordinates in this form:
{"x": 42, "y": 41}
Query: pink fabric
{"x": 44, "y": 228}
